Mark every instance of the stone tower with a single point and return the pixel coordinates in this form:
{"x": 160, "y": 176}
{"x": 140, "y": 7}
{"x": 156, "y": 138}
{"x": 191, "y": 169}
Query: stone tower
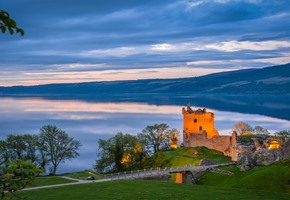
{"x": 198, "y": 122}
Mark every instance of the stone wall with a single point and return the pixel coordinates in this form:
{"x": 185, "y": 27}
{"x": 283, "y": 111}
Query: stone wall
{"x": 286, "y": 148}
{"x": 220, "y": 143}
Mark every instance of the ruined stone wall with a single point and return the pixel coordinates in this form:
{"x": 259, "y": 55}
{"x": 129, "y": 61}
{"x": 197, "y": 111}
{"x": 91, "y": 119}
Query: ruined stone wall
{"x": 286, "y": 148}
{"x": 198, "y": 130}
{"x": 219, "y": 143}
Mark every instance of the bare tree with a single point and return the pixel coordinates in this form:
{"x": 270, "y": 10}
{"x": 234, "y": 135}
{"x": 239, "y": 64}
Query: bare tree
{"x": 242, "y": 128}
{"x": 57, "y": 145}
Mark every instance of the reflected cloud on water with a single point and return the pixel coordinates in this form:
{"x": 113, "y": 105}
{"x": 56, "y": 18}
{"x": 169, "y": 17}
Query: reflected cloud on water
{"x": 90, "y": 121}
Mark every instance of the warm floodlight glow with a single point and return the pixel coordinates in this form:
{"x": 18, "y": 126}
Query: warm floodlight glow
{"x": 274, "y": 145}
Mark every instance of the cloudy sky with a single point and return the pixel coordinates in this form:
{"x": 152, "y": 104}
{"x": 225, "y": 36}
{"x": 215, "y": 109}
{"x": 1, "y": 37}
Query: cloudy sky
{"x": 96, "y": 40}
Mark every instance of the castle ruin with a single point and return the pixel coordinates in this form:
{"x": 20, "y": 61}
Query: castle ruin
{"x": 199, "y": 130}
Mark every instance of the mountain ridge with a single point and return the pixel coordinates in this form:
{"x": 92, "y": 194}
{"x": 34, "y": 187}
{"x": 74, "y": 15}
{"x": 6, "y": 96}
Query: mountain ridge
{"x": 268, "y": 80}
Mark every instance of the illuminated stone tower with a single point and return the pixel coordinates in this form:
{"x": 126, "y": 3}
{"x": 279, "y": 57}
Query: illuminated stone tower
{"x": 198, "y": 122}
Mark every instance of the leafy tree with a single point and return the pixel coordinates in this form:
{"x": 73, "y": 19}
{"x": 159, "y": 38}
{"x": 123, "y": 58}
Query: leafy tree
{"x": 16, "y": 176}
{"x": 242, "y": 128}
{"x": 43, "y": 158}
{"x": 283, "y": 133}
{"x": 4, "y": 153}
{"x": 57, "y": 146}
{"x": 174, "y": 142}
{"x": 16, "y": 146}
{"x": 23, "y": 147}
{"x": 157, "y": 136}
{"x": 106, "y": 155}
{"x": 7, "y": 23}
{"x": 118, "y": 153}
{"x": 30, "y": 142}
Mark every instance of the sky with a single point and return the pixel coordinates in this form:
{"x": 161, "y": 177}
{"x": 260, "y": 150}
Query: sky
{"x": 103, "y": 40}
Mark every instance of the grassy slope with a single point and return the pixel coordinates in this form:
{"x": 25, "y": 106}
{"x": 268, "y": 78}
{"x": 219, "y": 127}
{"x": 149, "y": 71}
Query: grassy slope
{"x": 270, "y": 178}
{"x": 185, "y": 156}
{"x": 148, "y": 190}
{"x": 83, "y": 175}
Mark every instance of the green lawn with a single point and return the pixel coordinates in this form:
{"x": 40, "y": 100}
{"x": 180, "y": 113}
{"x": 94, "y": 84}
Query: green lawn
{"x": 185, "y": 156}
{"x": 50, "y": 180}
{"x": 83, "y": 175}
{"x": 268, "y": 178}
{"x": 149, "y": 190}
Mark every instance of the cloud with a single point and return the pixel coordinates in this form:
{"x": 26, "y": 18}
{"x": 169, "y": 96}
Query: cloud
{"x": 232, "y": 46}
{"x": 115, "y": 52}
{"x": 162, "y": 47}
{"x": 116, "y": 35}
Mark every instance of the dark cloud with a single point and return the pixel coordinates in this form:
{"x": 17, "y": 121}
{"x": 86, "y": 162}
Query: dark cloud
{"x": 64, "y": 32}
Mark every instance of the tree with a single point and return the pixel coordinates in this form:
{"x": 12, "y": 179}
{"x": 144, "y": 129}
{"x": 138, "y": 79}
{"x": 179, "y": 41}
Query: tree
{"x": 16, "y": 146}
{"x": 157, "y": 136}
{"x": 283, "y": 133}
{"x": 16, "y": 176}
{"x": 118, "y": 153}
{"x": 31, "y": 142}
{"x": 261, "y": 131}
{"x": 242, "y": 128}
{"x": 174, "y": 142}
{"x": 7, "y": 23}
{"x": 4, "y": 153}
{"x": 57, "y": 146}
{"x": 22, "y": 147}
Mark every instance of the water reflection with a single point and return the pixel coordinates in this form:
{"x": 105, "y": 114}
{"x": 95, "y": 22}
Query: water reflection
{"x": 90, "y": 121}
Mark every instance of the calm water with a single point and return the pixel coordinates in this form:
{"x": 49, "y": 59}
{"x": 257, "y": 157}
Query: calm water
{"x": 89, "y": 121}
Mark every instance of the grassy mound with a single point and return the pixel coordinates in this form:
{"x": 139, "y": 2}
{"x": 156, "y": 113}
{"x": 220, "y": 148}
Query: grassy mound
{"x": 184, "y": 156}
{"x": 268, "y": 178}
{"x": 83, "y": 175}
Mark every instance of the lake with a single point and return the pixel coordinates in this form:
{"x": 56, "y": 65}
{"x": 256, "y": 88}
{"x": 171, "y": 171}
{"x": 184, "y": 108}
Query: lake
{"x": 90, "y": 121}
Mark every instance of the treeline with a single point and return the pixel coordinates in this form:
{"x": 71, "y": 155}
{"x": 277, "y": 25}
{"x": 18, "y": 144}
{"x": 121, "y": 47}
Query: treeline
{"x": 126, "y": 152}
{"x": 49, "y": 148}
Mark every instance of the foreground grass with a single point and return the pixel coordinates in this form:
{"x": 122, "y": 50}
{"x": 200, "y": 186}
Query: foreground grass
{"x": 148, "y": 190}
{"x": 50, "y": 180}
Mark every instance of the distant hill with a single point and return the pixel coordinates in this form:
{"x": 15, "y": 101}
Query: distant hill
{"x": 269, "y": 80}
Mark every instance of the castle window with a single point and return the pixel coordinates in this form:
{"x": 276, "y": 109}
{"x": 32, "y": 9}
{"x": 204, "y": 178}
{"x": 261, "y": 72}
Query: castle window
{"x": 195, "y": 120}
{"x": 200, "y": 128}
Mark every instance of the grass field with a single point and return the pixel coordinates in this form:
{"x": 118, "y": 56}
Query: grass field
{"x": 275, "y": 177}
{"x": 261, "y": 183}
{"x": 50, "y": 180}
{"x": 149, "y": 190}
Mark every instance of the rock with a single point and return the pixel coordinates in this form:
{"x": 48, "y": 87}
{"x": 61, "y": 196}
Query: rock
{"x": 267, "y": 157}
{"x": 245, "y": 161}
{"x": 205, "y": 162}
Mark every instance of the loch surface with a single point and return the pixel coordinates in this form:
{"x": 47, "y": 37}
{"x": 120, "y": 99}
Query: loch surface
{"x": 89, "y": 121}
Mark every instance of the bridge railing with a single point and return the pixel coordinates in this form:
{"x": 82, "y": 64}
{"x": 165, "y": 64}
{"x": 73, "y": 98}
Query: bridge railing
{"x": 158, "y": 171}
{"x": 145, "y": 172}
